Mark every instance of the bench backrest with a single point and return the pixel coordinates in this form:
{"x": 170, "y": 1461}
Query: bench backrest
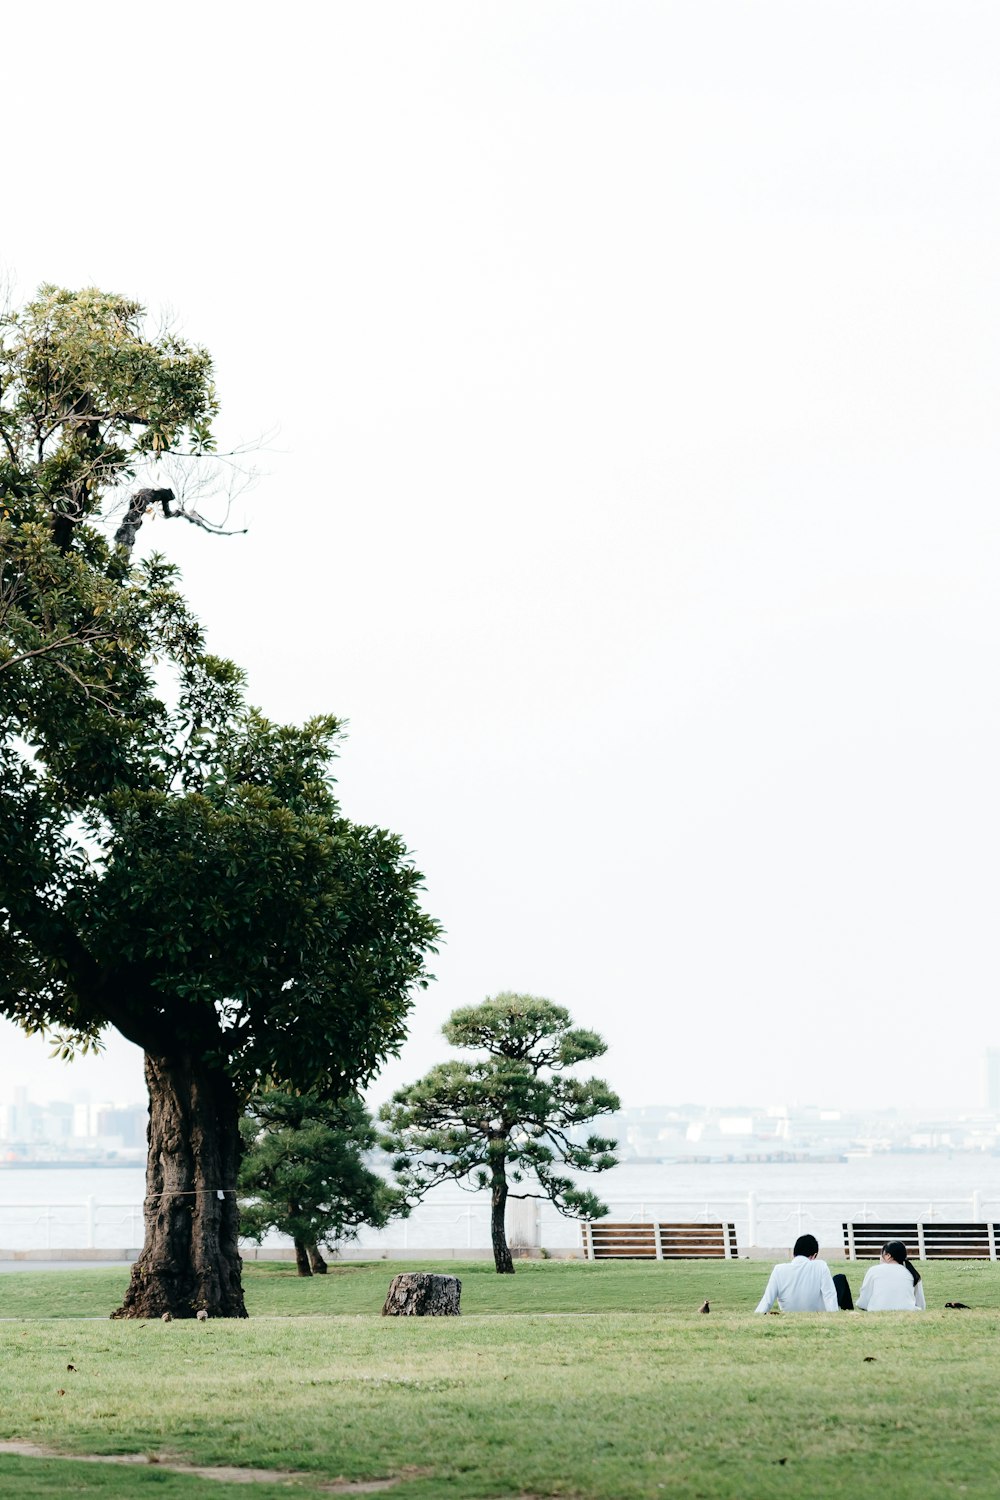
{"x": 609, "y": 1240}
{"x": 924, "y": 1240}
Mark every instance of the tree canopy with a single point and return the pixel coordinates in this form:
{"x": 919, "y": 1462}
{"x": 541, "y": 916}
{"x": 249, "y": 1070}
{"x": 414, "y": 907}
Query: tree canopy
{"x": 509, "y": 1120}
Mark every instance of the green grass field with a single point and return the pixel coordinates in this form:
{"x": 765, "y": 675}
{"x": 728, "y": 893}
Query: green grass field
{"x": 566, "y": 1379}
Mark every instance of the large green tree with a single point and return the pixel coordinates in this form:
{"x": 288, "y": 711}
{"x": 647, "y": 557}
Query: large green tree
{"x": 509, "y": 1120}
{"x": 305, "y": 1173}
{"x": 173, "y": 864}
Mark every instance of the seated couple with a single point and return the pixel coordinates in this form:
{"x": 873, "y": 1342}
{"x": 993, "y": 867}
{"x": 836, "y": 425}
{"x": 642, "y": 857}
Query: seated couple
{"x": 805, "y": 1285}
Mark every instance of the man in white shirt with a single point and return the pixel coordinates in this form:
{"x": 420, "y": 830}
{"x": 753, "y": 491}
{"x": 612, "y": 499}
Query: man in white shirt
{"x": 804, "y": 1284}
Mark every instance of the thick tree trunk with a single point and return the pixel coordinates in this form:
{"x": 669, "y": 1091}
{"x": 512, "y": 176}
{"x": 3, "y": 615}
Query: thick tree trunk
{"x": 498, "y": 1227}
{"x": 302, "y": 1258}
{"x": 316, "y": 1262}
{"x": 190, "y": 1261}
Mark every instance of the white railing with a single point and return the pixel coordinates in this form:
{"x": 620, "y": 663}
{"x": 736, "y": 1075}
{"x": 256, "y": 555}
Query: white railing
{"x": 97, "y": 1224}
{"x": 450, "y": 1222}
{"x": 762, "y": 1220}
{"x": 88, "y": 1224}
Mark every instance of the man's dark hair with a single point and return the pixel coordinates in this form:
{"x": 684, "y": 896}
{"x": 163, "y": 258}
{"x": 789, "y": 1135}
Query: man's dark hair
{"x": 806, "y": 1244}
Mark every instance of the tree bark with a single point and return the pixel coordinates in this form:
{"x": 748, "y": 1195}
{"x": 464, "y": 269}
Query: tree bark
{"x": 316, "y": 1262}
{"x": 502, "y": 1258}
{"x": 138, "y": 505}
{"x": 302, "y": 1258}
{"x": 190, "y": 1261}
{"x": 421, "y": 1294}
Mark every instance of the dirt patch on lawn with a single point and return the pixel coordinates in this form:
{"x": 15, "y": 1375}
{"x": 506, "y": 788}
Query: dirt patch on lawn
{"x": 230, "y": 1474}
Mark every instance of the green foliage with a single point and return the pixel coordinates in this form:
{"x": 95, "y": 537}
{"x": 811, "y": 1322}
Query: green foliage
{"x": 85, "y": 398}
{"x": 197, "y": 902}
{"x": 86, "y": 393}
{"x": 175, "y": 865}
{"x": 304, "y": 1170}
{"x": 512, "y": 1117}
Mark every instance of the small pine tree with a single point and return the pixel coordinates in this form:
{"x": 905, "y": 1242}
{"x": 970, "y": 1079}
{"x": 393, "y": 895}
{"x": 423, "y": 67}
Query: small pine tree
{"x": 509, "y": 1117}
{"x": 304, "y": 1173}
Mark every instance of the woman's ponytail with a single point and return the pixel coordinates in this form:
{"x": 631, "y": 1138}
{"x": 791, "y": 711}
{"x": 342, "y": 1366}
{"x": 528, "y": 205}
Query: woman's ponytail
{"x": 897, "y": 1250}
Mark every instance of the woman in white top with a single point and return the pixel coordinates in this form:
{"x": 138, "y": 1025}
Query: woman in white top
{"x": 893, "y": 1284}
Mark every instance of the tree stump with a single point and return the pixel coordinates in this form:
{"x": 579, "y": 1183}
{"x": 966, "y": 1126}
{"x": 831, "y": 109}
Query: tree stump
{"x": 418, "y": 1294}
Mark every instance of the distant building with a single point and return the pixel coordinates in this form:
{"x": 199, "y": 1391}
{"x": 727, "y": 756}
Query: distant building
{"x": 62, "y": 1129}
{"x": 126, "y": 1126}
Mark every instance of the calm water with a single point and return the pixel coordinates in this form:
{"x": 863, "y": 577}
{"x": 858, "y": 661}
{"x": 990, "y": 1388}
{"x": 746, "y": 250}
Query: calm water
{"x": 884, "y": 1176}
{"x": 76, "y": 1207}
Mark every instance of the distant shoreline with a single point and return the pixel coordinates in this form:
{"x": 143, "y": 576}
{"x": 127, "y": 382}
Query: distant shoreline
{"x": 45, "y": 1166}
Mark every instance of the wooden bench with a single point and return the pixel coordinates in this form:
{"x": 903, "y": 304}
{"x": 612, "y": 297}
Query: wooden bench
{"x": 924, "y": 1241}
{"x": 605, "y": 1240}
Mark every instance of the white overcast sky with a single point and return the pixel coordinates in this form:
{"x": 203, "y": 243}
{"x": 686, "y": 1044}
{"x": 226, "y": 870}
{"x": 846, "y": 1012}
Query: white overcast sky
{"x": 636, "y": 377}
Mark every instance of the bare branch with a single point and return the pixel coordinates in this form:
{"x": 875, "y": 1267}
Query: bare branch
{"x": 11, "y": 452}
{"x": 98, "y": 698}
{"x": 197, "y": 520}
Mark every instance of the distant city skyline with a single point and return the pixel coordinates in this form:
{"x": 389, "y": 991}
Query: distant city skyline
{"x": 114, "y": 1077}
{"x": 91, "y": 1132}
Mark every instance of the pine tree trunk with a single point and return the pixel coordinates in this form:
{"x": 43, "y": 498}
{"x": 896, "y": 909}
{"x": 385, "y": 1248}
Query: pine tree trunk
{"x": 302, "y": 1258}
{"x": 190, "y": 1261}
{"x": 498, "y": 1228}
{"x": 316, "y": 1261}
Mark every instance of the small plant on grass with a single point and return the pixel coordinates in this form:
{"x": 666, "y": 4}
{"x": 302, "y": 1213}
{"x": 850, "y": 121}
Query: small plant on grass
{"x": 507, "y": 1120}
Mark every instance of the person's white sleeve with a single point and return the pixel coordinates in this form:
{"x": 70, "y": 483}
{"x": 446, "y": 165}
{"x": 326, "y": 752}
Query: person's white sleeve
{"x": 864, "y": 1296}
{"x": 770, "y": 1293}
{"x": 918, "y": 1296}
{"x": 828, "y": 1290}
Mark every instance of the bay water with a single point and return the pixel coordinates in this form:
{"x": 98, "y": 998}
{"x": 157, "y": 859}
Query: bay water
{"x": 770, "y": 1202}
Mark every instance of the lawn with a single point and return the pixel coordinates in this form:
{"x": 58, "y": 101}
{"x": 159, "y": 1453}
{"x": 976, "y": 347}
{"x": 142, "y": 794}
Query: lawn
{"x": 567, "y": 1379}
